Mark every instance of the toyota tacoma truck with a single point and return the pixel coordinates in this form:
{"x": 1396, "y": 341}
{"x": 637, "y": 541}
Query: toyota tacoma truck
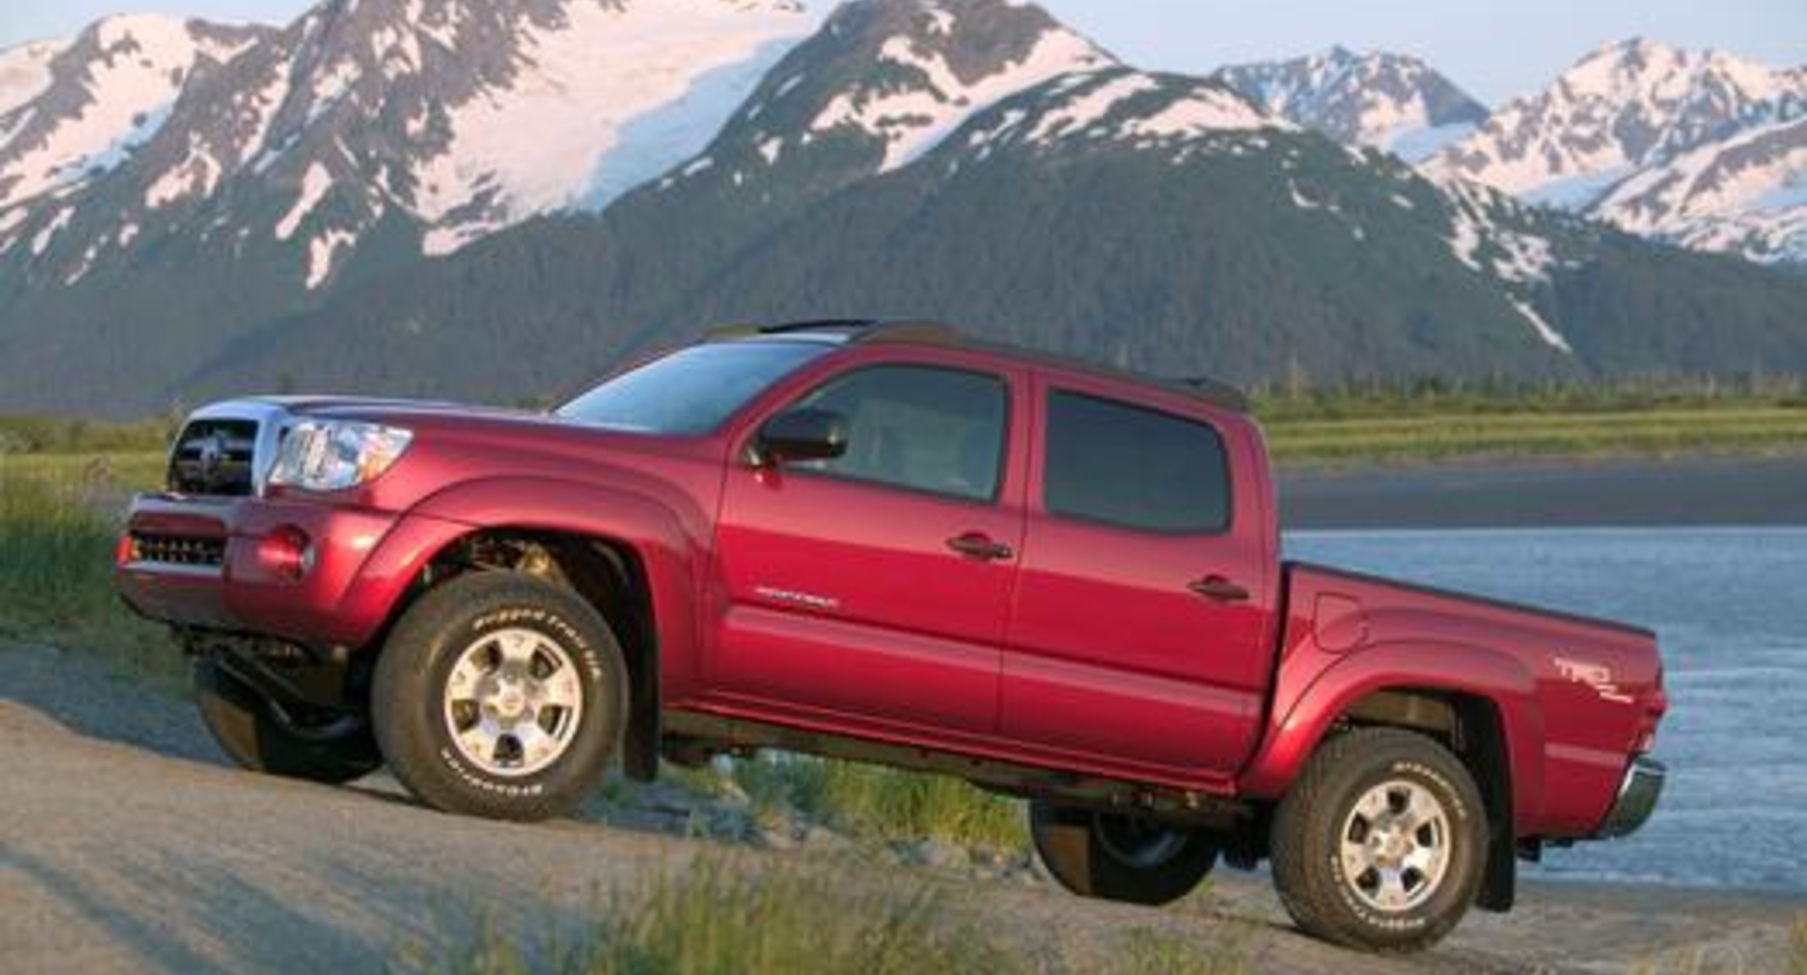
{"x": 890, "y": 543}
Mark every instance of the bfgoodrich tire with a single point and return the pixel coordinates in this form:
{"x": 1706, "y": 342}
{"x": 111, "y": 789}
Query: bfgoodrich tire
{"x": 1115, "y": 857}
{"x": 500, "y": 695}
{"x": 1381, "y": 843}
{"x": 257, "y": 734}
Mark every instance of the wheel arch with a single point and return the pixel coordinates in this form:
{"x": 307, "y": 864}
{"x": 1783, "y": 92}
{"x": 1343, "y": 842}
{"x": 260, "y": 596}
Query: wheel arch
{"x": 1479, "y": 702}
{"x": 628, "y": 555}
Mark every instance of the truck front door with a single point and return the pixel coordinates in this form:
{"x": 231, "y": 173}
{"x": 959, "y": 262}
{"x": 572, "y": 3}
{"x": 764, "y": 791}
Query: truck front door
{"x": 872, "y": 588}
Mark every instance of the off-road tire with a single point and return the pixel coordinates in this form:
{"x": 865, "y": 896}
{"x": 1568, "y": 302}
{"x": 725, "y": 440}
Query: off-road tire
{"x": 1306, "y": 840}
{"x": 1073, "y": 846}
{"x": 408, "y": 696}
{"x": 262, "y": 737}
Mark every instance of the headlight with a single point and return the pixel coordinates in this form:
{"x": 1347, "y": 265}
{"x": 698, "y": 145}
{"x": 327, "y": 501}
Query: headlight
{"x": 331, "y": 455}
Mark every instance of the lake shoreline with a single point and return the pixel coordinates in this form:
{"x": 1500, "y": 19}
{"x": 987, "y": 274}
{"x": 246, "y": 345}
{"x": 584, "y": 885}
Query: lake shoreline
{"x": 1686, "y": 492}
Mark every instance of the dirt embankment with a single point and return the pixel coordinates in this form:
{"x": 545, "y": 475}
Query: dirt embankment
{"x": 126, "y": 846}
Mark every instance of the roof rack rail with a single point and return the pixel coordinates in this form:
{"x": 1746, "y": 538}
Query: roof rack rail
{"x": 1217, "y": 391}
{"x": 854, "y": 330}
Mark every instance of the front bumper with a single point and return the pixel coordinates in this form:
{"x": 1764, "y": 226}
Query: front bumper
{"x": 1638, "y": 794}
{"x": 362, "y": 560}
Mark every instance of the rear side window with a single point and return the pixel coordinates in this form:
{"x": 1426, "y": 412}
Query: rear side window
{"x": 1134, "y": 467}
{"x": 919, "y": 427}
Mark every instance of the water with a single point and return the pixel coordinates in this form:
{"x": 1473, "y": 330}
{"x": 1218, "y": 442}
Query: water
{"x": 1730, "y": 610}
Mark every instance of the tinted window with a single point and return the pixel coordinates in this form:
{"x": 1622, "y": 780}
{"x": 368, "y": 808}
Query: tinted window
{"x": 690, "y": 391}
{"x": 919, "y": 427}
{"x": 1134, "y": 467}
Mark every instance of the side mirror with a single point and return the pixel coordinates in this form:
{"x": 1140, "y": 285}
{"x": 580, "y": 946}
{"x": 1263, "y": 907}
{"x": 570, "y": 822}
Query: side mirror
{"x": 801, "y": 434}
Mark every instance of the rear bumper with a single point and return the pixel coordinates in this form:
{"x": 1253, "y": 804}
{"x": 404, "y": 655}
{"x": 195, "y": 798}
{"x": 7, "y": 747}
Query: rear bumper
{"x": 362, "y": 561}
{"x": 1638, "y": 794}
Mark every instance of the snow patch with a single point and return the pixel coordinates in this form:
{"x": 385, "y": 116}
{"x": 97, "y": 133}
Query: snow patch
{"x": 605, "y": 101}
{"x": 1544, "y": 331}
{"x": 1091, "y": 108}
{"x": 130, "y": 87}
{"x": 41, "y": 239}
{"x": 1207, "y": 110}
{"x": 770, "y": 148}
{"x": 24, "y": 74}
{"x": 911, "y": 121}
{"x": 323, "y": 251}
{"x": 1416, "y": 143}
{"x": 314, "y": 184}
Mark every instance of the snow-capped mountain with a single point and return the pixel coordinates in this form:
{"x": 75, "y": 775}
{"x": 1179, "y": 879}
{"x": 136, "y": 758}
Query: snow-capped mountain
{"x": 1622, "y": 107}
{"x": 1389, "y": 101}
{"x": 879, "y": 86}
{"x": 414, "y": 126}
{"x": 1691, "y": 146}
{"x": 491, "y": 197}
{"x": 1745, "y": 195}
{"x": 70, "y": 112}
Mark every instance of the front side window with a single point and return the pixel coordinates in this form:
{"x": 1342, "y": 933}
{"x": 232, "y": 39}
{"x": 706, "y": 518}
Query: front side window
{"x": 918, "y": 427}
{"x": 691, "y": 391}
{"x": 1133, "y": 467}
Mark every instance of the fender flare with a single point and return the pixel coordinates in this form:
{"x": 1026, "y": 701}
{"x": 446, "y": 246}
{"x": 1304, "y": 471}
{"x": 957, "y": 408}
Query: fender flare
{"x": 1297, "y": 727}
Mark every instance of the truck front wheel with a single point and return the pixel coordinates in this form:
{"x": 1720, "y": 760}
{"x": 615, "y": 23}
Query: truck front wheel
{"x": 500, "y": 695}
{"x": 261, "y": 735}
{"x": 1117, "y": 857}
{"x": 1381, "y": 843}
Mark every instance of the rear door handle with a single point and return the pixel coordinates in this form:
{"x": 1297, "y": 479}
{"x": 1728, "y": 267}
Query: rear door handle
{"x": 978, "y": 545}
{"x": 1218, "y": 589}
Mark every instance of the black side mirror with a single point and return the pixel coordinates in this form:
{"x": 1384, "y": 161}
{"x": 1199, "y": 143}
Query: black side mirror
{"x": 804, "y": 433}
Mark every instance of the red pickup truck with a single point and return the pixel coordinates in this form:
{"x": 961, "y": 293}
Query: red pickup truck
{"x": 896, "y": 544}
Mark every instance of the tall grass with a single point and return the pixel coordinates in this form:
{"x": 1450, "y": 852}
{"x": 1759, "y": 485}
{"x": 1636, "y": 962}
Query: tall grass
{"x": 873, "y": 803}
{"x": 40, "y": 434}
{"x": 57, "y": 540}
{"x": 722, "y": 917}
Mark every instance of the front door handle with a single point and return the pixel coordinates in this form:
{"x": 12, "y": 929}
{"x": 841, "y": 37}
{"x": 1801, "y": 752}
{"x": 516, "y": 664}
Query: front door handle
{"x": 978, "y": 545}
{"x": 1218, "y": 589}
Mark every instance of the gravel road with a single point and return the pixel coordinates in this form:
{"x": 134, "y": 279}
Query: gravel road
{"x": 126, "y": 845}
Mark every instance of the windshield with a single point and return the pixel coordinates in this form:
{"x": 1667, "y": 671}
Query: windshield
{"x": 693, "y": 390}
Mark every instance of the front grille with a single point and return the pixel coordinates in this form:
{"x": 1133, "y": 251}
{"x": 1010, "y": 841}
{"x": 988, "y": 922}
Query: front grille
{"x": 178, "y": 549}
{"x": 214, "y": 457}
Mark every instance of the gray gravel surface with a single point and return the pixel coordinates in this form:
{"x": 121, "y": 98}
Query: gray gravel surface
{"x": 126, "y": 845}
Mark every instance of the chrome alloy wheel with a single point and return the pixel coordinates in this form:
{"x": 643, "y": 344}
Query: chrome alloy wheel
{"x": 513, "y": 702}
{"x": 1396, "y": 846}
{"x": 1137, "y": 842}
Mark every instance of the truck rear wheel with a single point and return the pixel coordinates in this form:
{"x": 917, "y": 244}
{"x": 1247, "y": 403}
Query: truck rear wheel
{"x": 1112, "y": 856}
{"x": 262, "y": 736}
{"x": 1381, "y": 843}
{"x": 500, "y": 695}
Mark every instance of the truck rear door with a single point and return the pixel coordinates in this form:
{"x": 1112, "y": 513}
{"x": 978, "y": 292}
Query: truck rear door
{"x": 1142, "y": 629}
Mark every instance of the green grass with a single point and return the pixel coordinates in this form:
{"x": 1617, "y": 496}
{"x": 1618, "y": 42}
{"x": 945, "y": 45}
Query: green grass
{"x": 38, "y": 434}
{"x": 1146, "y": 951}
{"x": 58, "y": 519}
{"x": 1660, "y": 433}
{"x": 1429, "y": 422}
{"x": 873, "y": 803}
{"x": 735, "y": 917}
{"x": 718, "y": 917}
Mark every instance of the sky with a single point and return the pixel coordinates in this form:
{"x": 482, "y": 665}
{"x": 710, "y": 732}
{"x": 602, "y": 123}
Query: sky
{"x": 1495, "y": 50}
